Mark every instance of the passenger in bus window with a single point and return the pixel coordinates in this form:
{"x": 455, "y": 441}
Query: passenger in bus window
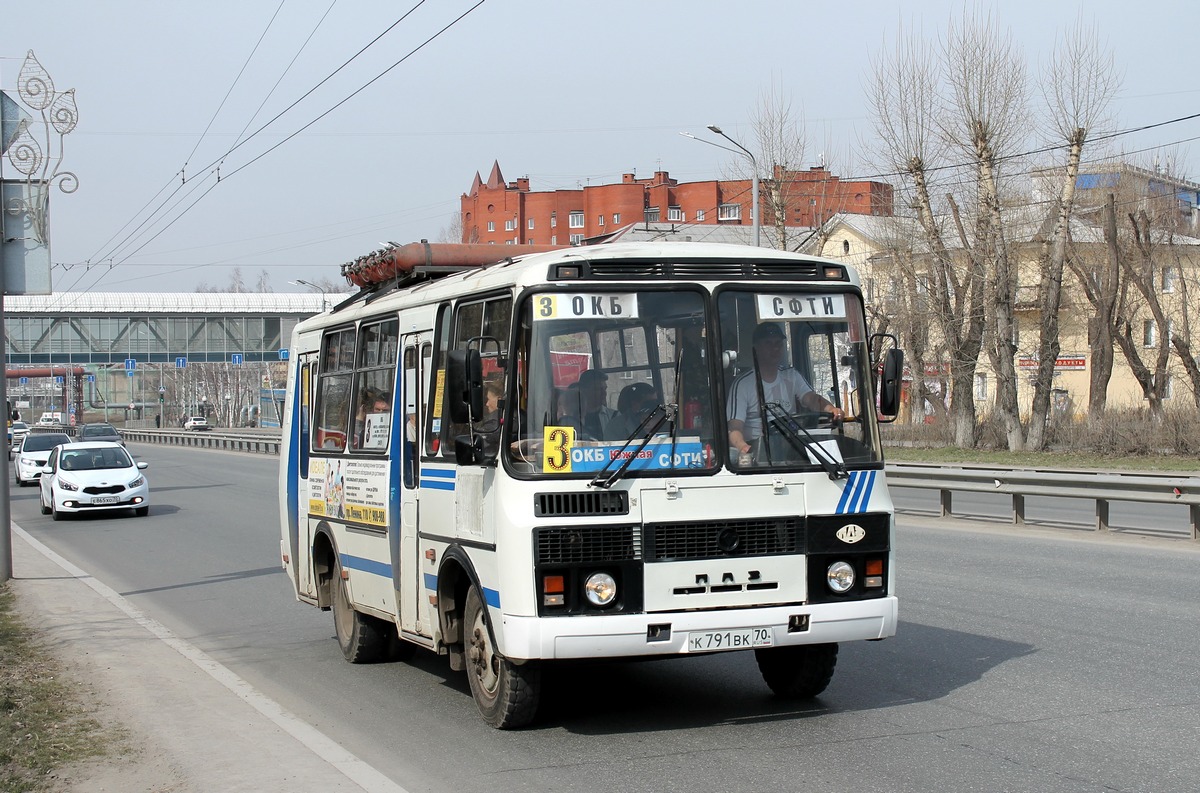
{"x": 488, "y": 425}
{"x": 634, "y": 403}
{"x": 587, "y": 406}
{"x": 781, "y": 385}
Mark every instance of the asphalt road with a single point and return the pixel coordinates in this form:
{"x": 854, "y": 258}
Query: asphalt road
{"x": 1031, "y": 659}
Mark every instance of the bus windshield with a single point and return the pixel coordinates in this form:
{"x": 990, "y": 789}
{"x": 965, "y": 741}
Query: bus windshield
{"x": 612, "y": 380}
{"x": 796, "y": 380}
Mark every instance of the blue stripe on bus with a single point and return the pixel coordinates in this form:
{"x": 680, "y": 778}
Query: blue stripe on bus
{"x": 847, "y": 491}
{"x": 865, "y": 494}
{"x": 366, "y": 565}
{"x": 431, "y": 582}
{"x": 436, "y": 484}
{"x": 441, "y": 473}
{"x": 491, "y": 597}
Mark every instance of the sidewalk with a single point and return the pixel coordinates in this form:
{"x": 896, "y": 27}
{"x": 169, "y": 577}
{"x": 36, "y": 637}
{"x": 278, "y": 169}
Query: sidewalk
{"x": 198, "y": 726}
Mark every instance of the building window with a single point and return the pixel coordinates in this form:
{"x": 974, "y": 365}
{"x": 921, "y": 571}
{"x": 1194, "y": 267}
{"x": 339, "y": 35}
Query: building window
{"x": 1149, "y": 333}
{"x": 981, "y": 386}
{"x": 600, "y": 219}
{"x": 729, "y": 212}
{"x": 553, "y": 239}
{"x": 699, "y": 215}
{"x": 575, "y": 220}
{"x": 675, "y": 214}
{"x": 576, "y": 239}
{"x": 510, "y": 225}
{"x": 531, "y": 224}
{"x": 651, "y": 214}
{"x": 491, "y": 225}
{"x": 616, "y": 218}
{"x": 1170, "y": 277}
{"x": 553, "y": 219}
{"x": 1167, "y": 386}
{"x": 845, "y": 246}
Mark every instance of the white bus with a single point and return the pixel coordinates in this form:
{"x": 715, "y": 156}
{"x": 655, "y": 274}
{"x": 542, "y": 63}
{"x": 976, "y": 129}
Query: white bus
{"x": 531, "y": 460}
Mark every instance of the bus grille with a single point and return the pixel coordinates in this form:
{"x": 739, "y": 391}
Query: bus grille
{"x": 715, "y": 539}
{"x": 702, "y": 270}
{"x": 581, "y": 505}
{"x": 586, "y": 544}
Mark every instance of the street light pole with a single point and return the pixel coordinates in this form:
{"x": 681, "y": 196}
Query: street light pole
{"x": 302, "y": 282}
{"x": 754, "y": 183}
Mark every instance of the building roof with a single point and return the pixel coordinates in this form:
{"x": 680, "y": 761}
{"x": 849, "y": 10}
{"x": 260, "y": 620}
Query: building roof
{"x": 172, "y": 303}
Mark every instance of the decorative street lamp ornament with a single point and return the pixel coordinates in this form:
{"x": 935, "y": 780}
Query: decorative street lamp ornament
{"x": 38, "y": 161}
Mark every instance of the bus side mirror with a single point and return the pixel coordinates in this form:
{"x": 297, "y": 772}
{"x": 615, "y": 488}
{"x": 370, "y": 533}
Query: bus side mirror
{"x": 890, "y": 381}
{"x": 464, "y": 385}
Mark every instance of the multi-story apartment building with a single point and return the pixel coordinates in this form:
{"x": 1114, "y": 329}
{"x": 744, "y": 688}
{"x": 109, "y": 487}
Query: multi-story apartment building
{"x": 509, "y": 213}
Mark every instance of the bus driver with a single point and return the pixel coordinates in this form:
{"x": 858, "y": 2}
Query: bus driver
{"x": 785, "y": 387}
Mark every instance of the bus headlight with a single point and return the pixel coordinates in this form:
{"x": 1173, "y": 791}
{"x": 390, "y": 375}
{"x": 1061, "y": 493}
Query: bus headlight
{"x": 840, "y": 577}
{"x": 600, "y": 589}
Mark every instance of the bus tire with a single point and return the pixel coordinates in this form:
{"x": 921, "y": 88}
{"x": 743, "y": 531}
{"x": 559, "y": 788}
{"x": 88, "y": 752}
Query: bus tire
{"x": 506, "y": 693}
{"x": 799, "y": 671}
{"x": 363, "y": 639}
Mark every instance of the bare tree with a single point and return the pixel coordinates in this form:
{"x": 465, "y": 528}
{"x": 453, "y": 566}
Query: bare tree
{"x": 1077, "y": 86}
{"x": 1105, "y": 290}
{"x": 906, "y": 110}
{"x": 453, "y": 230}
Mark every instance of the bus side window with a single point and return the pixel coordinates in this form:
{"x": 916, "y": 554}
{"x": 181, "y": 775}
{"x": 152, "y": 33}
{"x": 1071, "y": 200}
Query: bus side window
{"x": 333, "y": 391}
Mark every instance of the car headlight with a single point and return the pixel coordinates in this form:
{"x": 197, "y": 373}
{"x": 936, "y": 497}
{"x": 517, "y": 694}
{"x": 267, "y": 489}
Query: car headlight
{"x": 141, "y": 480}
{"x": 600, "y": 589}
{"x": 840, "y": 577}
{"x": 65, "y": 485}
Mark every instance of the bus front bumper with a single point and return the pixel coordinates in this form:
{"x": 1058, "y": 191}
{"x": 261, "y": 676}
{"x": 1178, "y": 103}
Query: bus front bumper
{"x": 678, "y": 633}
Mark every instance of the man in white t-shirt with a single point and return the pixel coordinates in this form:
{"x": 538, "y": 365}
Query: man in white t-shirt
{"x": 785, "y": 387}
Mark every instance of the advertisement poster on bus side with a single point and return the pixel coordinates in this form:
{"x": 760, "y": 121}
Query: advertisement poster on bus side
{"x": 354, "y": 491}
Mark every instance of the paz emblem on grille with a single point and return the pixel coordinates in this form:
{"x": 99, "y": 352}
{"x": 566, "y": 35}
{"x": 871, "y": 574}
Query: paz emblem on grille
{"x": 851, "y": 533}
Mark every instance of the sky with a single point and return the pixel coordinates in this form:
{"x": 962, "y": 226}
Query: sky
{"x": 565, "y": 92}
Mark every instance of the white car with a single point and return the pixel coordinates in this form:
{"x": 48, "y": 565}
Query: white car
{"x": 35, "y": 450}
{"x": 93, "y": 476}
{"x": 197, "y": 423}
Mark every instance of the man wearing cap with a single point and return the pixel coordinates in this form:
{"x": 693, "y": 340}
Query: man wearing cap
{"x": 785, "y": 387}
{"x": 588, "y": 404}
{"x": 635, "y": 401}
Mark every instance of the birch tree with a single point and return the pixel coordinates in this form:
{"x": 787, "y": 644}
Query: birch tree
{"x": 1077, "y": 86}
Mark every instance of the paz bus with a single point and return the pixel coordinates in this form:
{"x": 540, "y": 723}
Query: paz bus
{"x": 463, "y": 472}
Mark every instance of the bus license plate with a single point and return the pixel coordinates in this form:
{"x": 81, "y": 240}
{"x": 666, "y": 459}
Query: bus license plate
{"x": 744, "y": 639}
{"x": 104, "y": 500}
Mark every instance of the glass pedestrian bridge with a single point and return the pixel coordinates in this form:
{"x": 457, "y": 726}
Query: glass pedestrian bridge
{"x": 152, "y": 356}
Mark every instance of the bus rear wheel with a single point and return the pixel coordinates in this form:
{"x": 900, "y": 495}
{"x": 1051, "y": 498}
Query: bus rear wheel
{"x": 363, "y": 639}
{"x": 506, "y": 693}
{"x": 799, "y": 671}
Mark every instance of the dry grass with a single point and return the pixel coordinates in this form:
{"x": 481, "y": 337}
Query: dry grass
{"x": 1119, "y": 440}
{"x": 44, "y": 722}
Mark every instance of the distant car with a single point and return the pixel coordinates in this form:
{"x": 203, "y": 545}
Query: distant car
{"x": 35, "y": 450}
{"x": 197, "y": 423}
{"x": 16, "y": 433}
{"x": 93, "y": 476}
{"x": 99, "y": 432}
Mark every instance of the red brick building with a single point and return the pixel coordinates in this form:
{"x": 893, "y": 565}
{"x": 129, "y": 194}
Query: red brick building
{"x": 508, "y": 213}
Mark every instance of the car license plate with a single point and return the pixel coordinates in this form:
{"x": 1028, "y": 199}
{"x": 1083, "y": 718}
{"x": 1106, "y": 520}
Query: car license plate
{"x": 743, "y": 639}
{"x": 104, "y": 499}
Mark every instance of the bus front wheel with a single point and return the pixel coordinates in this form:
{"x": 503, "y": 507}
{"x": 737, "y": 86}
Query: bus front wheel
{"x": 799, "y": 671}
{"x": 363, "y": 639}
{"x": 506, "y": 693}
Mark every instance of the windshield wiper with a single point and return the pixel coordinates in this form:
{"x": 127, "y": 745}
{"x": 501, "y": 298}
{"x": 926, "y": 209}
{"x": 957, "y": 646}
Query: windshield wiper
{"x": 642, "y": 435}
{"x": 791, "y": 429}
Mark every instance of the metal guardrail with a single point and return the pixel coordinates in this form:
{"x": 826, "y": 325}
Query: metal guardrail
{"x": 1017, "y": 483}
{"x": 1102, "y": 488}
{"x": 208, "y": 439}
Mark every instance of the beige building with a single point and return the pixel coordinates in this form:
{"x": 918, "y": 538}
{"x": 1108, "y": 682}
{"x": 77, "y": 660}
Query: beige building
{"x": 875, "y": 246}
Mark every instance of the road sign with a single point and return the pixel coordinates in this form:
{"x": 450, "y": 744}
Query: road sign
{"x": 236, "y": 359}
{"x": 130, "y": 372}
{"x": 162, "y": 389}
{"x": 283, "y": 354}
{"x": 91, "y": 378}
{"x": 72, "y": 409}
{"x": 23, "y": 380}
{"x": 131, "y": 363}
{"x": 58, "y": 380}
{"x": 181, "y": 363}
